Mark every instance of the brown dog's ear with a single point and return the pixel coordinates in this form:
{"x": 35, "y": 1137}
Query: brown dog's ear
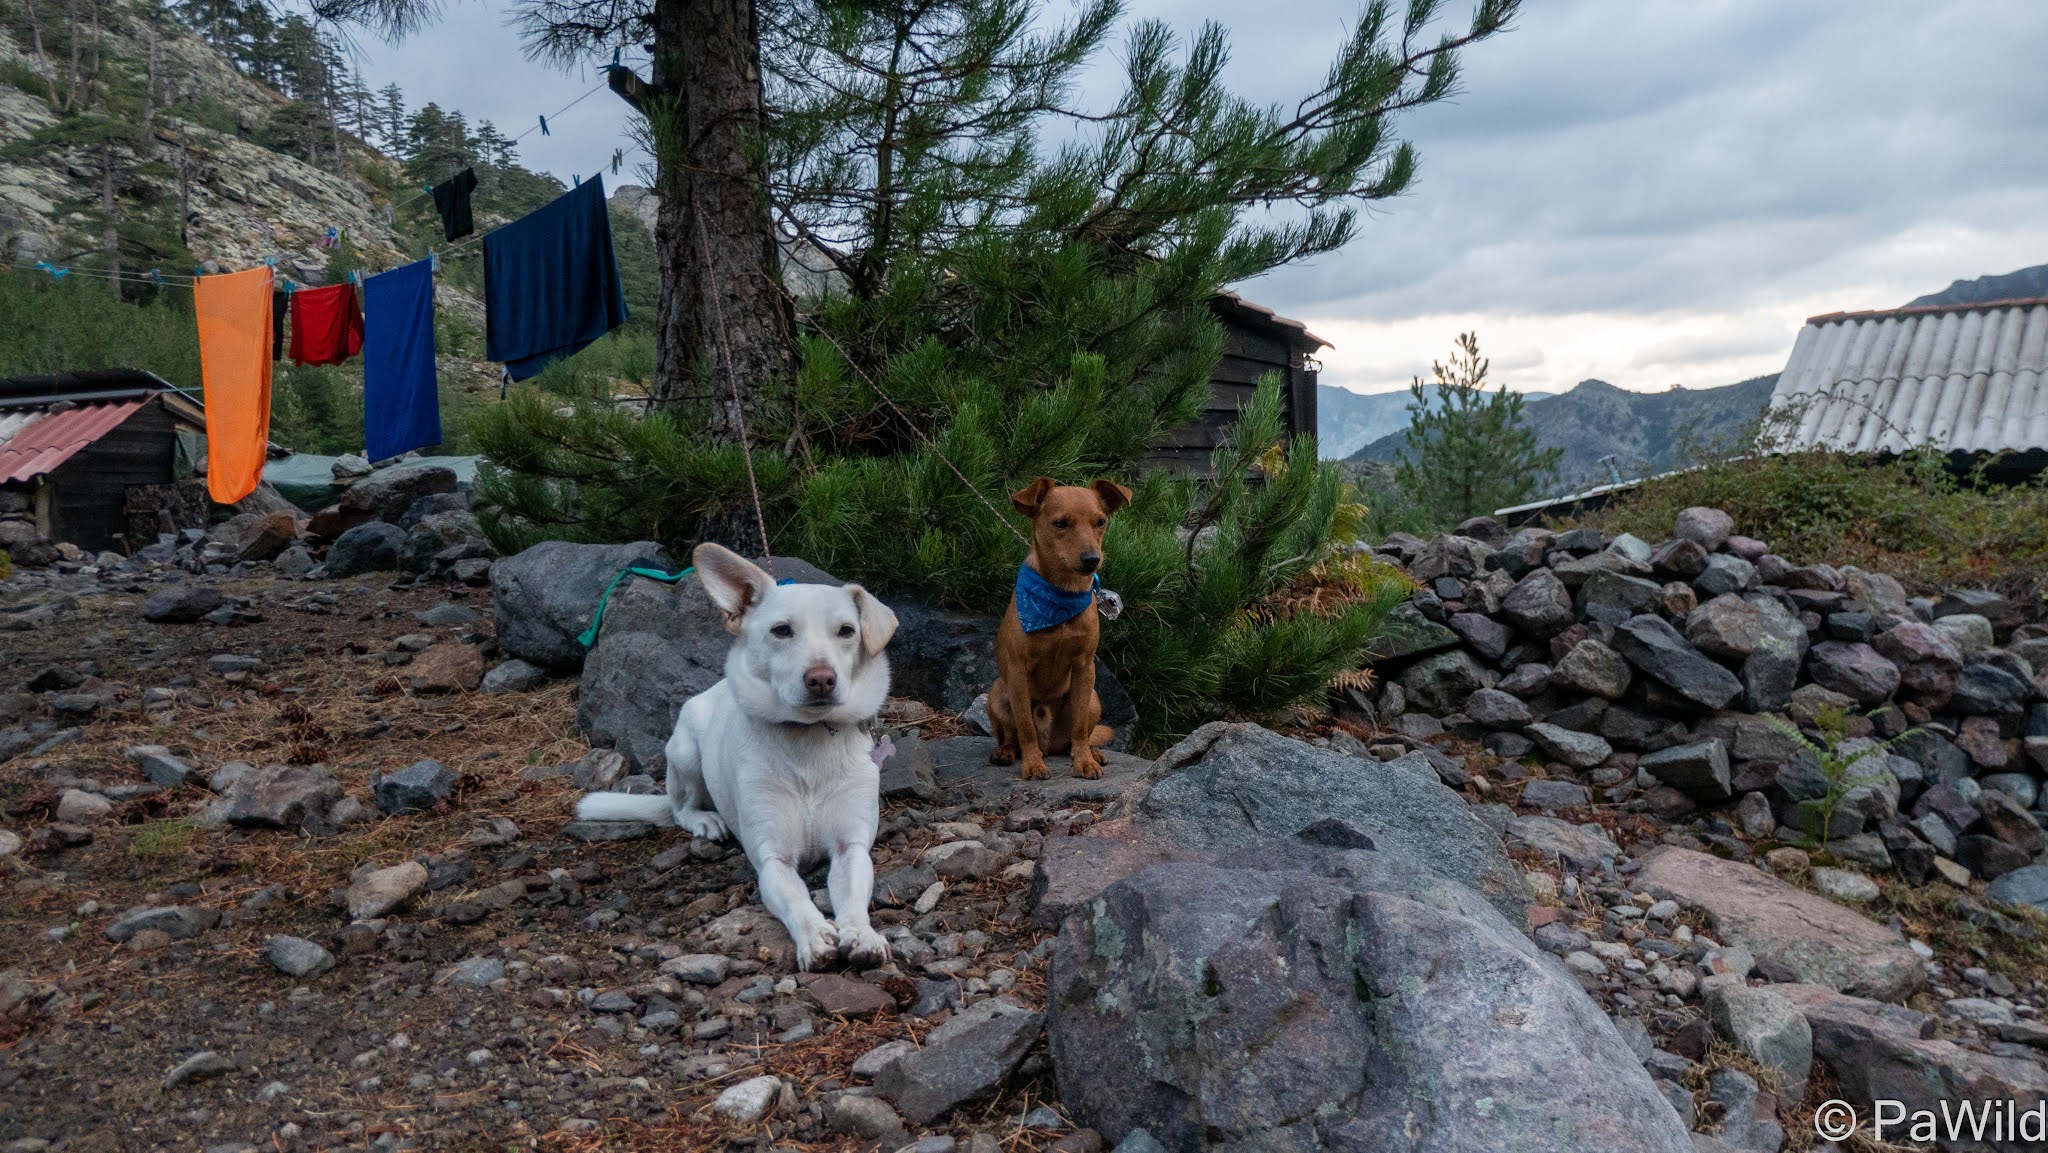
{"x": 1027, "y": 499}
{"x": 877, "y": 621}
{"x": 735, "y": 583}
{"x": 1114, "y": 496}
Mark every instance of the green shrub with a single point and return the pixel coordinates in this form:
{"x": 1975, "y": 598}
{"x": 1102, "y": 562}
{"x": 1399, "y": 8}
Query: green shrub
{"x": 1910, "y": 516}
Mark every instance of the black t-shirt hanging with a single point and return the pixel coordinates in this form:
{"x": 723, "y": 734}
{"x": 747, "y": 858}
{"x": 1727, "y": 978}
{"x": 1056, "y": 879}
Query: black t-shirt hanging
{"x": 451, "y": 199}
{"x": 279, "y": 301}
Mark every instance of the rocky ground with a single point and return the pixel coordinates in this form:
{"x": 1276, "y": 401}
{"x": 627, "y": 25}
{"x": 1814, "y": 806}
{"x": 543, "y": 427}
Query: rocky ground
{"x": 289, "y": 861}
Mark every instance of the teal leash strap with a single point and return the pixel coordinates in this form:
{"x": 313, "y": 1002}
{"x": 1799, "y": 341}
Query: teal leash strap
{"x": 588, "y": 637}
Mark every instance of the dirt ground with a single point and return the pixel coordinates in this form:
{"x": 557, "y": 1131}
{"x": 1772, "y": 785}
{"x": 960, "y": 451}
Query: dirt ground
{"x": 395, "y": 1047}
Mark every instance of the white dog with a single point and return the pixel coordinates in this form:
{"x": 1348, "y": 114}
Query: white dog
{"x": 777, "y": 753}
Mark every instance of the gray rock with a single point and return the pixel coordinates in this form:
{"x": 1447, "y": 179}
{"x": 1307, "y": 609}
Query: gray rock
{"x": 1725, "y": 573}
{"x": 1484, "y": 635}
{"x": 1611, "y": 597}
{"x": 379, "y": 891}
{"x": 481, "y": 973}
{"x": 969, "y": 1056}
{"x": 283, "y": 797}
{"x": 1699, "y": 770}
{"x": 1439, "y": 684}
{"x": 661, "y": 645}
{"x": 2027, "y": 886}
{"x": 1593, "y": 668}
{"x": 866, "y": 1117}
{"x": 1853, "y": 669}
{"x": 297, "y": 957}
{"x": 1656, "y": 650}
{"x": 542, "y": 598}
{"x": 1234, "y": 785}
{"x": 1405, "y": 633}
{"x": 1553, "y": 795}
{"x": 1579, "y": 750}
{"x": 1539, "y": 604}
{"x": 1237, "y": 1009}
{"x": 1581, "y": 846}
{"x": 442, "y": 539}
{"x": 514, "y": 676}
{"x": 1708, "y": 526}
{"x": 1794, "y": 935}
{"x": 1984, "y": 689}
{"x": 417, "y": 788}
{"x": 179, "y": 922}
{"x": 1497, "y": 710}
{"x": 1886, "y": 1052}
{"x": 372, "y": 546}
{"x": 182, "y": 604}
{"x": 387, "y": 493}
{"x": 1766, "y": 1028}
{"x": 1968, "y": 631}
{"x": 197, "y": 1067}
{"x": 157, "y": 763}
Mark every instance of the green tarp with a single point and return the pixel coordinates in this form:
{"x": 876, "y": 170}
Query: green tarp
{"x": 307, "y": 479}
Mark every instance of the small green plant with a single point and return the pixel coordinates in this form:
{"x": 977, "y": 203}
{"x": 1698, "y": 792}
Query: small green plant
{"x": 1837, "y": 765}
{"x": 6, "y": 565}
{"x": 160, "y": 840}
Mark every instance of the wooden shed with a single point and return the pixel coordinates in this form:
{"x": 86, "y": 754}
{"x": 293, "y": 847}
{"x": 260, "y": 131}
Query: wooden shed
{"x": 95, "y": 459}
{"x": 1256, "y": 341}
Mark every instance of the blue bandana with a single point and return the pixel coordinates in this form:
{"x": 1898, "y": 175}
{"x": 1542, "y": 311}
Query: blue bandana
{"x": 1042, "y": 604}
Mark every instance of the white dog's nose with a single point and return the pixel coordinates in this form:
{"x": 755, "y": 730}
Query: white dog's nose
{"x": 820, "y": 681}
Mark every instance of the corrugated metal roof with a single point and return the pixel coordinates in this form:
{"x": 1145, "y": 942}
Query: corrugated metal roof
{"x": 1962, "y": 378}
{"x": 42, "y": 445}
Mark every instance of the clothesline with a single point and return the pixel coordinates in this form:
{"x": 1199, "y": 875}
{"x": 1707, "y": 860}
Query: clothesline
{"x": 538, "y": 127}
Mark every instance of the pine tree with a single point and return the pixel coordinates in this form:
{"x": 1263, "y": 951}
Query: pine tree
{"x": 391, "y": 119}
{"x": 1467, "y": 451}
{"x": 1026, "y": 311}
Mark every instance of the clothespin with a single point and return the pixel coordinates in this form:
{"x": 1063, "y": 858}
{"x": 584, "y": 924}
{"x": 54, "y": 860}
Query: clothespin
{"x": 618, "y": 159}
{"x": 544, "y": 127}
{"x": 577, "y": 179}
{"x": 156, "y": 278}
{"x": 433, "y": 260}
{"x": 388, "y": 217}
{"x": 615, "y": 57}
{"x": 504, "y": 380}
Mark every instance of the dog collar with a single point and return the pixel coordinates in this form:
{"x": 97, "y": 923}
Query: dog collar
{"x": 825, "y": 725}
{"x": 1042, "y": 605}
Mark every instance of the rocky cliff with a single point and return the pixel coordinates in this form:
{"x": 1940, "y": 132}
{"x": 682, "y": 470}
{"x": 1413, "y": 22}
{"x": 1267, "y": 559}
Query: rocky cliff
{"x": 242, "y": 202}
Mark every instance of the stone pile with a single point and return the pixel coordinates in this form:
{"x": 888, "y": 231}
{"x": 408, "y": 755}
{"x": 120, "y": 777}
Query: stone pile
{"x": 1663, "y": 679}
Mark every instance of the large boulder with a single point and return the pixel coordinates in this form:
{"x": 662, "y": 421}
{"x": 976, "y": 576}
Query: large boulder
{"x": 1351, "y": 1004}
{"x": 544, "y": 597}
{"x": 1539, "y": 604}
{"x": 1794, "y": 935}
{"x": 1928, "y": 661}
{"x": 387, "y": 493}
{"x": 251, "y": 536}
{"x": 1231, "y": 785}
{"x": 1880, "y": 1052}
{"x": 440, "y": 540}
{"x": 372, "y": 546}
{"x": 661, "y": 645}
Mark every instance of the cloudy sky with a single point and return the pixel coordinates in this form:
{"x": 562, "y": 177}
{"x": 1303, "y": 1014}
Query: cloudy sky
{"x": 1653, "y": 194}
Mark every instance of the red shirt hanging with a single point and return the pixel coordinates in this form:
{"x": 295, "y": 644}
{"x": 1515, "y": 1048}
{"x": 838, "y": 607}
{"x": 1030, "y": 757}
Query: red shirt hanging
{"x": 327, "y": 324}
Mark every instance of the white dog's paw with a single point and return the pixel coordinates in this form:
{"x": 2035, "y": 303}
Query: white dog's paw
{"x": 862, "y": 946}
{"x": 816, "y": 944}
{"x": 699, "y": 823}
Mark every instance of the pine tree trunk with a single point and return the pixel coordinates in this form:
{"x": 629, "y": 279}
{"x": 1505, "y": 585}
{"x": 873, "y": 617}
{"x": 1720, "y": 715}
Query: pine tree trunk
{"x": 713, "y": 230}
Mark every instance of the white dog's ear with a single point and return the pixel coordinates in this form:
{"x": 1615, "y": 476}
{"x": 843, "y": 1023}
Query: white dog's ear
{"x": 877, "y": 620}
{"x": 735, "y": 583}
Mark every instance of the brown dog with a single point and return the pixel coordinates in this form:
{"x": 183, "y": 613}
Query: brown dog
{"x": 1047, "y": 675}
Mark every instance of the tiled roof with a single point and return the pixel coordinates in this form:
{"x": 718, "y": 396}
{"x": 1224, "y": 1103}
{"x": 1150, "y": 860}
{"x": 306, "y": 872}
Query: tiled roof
{"x": 38, "y": 445}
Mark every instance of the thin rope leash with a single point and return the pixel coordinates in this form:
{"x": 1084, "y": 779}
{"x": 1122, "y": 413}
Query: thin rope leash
{"x": 739, "y": 411}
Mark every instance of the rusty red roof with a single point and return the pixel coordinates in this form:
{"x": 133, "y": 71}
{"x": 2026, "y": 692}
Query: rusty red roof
{"x": 51, "y": 439}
